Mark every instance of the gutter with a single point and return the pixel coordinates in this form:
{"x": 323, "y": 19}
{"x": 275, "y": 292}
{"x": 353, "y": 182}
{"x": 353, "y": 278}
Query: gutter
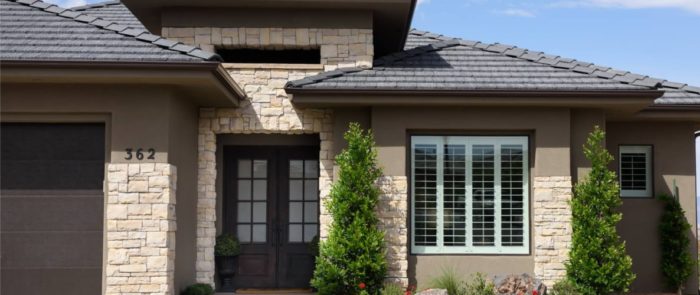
{"x": 407, "y": 29}
{"x": 218, "y": 72}
{"x": 371, "y": 97}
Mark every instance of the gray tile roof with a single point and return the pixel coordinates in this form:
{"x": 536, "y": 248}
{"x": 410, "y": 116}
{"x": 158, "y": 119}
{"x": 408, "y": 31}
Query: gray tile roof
{"x": 35, "y": 30}
{"x": 435, "y": 62}
{"x": 113, "y": 11}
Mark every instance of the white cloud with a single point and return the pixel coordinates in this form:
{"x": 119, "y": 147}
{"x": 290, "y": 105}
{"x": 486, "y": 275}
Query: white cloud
{"x": 422, "y": 2}
{"x": 517, "y": 12}
{"x": 689, "y": 5}
{"x": 67, "y": 3}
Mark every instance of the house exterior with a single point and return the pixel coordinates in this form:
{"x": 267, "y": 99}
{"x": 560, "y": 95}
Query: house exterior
{"x": 135, "y": 132}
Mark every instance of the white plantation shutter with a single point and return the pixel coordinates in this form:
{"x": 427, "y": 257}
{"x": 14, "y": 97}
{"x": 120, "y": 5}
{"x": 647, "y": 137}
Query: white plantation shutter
{"x": 469, "y": 194}
{"x": 635, "y": 171}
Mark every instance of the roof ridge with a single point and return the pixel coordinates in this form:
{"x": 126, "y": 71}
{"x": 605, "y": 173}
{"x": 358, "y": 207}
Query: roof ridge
{"x": 141, "y": 35}
{"x": 565, "y": 63}
{"x": 96, "y": 5}
{"x": 382, "y": 61}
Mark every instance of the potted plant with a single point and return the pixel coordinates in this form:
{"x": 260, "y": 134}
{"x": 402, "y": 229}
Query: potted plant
{"x": 226, "y": 251}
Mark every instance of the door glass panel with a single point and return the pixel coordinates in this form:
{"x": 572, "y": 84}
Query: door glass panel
{"x": 259, "y": 189}
{"x": 259, "y": 212}
{"x": 295, "y": 234}
{"x": 303, "y": 196}
{"x": 244, "y": 189}
{"x": 259, "y": 231}
{"x": 311, "y": 169}
{"x": 296, "y": 168}
{"x": 310, "y": 190}
{"x": 244, "y": 212}
{"x": 260, "y": 168}
{"x": 310, "y": 231}
{"x": 295, "y": 212}
{"x": 244, "y": 168}
{"x": 252, "y": 206}
{"x": 244, "y": 233}
{"x": 296, "y": 189}
{"x": 310, "y": 211}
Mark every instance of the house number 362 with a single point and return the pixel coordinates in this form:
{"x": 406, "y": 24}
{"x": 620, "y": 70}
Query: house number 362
{"x": 139, "y": 154}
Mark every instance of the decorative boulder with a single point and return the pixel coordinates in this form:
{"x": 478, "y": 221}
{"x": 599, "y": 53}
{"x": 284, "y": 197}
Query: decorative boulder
{"x": 523, "y": 284}
{"x": 433, "y": 292}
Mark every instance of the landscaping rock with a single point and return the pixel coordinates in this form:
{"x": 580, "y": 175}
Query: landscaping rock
{"x": 433, "y": 292}
{"x": 523, "y": 284}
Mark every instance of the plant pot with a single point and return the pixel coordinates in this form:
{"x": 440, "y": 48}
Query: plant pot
{"x": 226, "y": 268}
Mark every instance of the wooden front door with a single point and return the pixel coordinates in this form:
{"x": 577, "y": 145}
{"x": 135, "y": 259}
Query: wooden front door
{"x": 271, "y": 203}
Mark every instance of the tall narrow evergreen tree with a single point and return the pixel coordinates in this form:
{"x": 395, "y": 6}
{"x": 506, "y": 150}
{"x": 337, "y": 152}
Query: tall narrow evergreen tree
{"x": 598, "y": 263}
{"x": 677, "y": 263}
{"x": 351, "y": 260}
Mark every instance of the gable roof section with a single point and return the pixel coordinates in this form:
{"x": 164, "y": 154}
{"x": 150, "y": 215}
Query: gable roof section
{"x": 35, "y": 30}
{"x": 432, "y": 62}
{"x": 113, "y": 11}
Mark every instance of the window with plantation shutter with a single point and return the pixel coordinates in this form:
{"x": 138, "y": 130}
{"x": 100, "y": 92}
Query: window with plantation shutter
{"x": 635, "y": 171}
{"x": 469, "y": 195}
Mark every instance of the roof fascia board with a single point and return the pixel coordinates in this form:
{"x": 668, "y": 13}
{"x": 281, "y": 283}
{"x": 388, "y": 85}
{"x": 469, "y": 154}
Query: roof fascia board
{"x": 180, "y": 74}
{"x": 638, "y": 99}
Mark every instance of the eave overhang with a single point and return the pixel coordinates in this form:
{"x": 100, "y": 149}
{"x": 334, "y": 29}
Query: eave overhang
{"x": 392, "y": 18}
{"x": 628, "y": 99}
{"x": 205, "y": 83}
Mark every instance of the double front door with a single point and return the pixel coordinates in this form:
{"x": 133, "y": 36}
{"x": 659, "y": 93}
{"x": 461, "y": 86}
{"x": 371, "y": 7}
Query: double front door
{"x": 271, "y": 203}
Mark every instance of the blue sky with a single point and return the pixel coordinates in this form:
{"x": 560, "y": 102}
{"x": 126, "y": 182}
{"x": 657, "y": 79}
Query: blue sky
{"x": 659, "y": 38}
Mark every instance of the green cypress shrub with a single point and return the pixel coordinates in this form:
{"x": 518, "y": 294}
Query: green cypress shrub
{"x": 598, "y": 263}
{"x": 351, "y": 260}
{"x": 676, "y": 261}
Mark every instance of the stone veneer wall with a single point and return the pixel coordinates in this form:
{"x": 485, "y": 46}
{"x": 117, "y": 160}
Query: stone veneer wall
{"x": 140, "y": 229}
{"x": 339, "y": 47}
{"x": 268, "y": 109}
{"x": 393, "y": 219}
{"x": 552, "y": 226}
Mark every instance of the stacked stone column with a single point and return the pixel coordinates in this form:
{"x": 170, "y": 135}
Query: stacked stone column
{"x": 552, "y": 226}
{"x": 141, "y": 229}
{"x": 393, "y": 217}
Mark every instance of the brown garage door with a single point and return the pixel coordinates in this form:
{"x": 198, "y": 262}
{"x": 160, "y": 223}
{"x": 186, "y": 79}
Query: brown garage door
{"x": 51, "y": 208}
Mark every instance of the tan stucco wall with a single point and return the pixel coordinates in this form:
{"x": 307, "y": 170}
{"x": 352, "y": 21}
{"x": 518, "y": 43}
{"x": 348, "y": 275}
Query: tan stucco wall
{"x": 184, "y": 119}
{"x": 135, "y": 117}
{"x": 583, "y": 121}
{"x": 673, "y": 159}
{"x": 549, "y": 139}
{"x": 138, "y": 115}
{"x": 550, "y": 126}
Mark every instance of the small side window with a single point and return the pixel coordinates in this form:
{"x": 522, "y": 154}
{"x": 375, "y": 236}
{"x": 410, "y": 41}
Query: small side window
{"x": 635, "y": 171}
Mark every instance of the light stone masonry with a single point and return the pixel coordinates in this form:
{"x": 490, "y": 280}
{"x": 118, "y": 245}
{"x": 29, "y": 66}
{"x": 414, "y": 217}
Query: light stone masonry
{"x": 393, "y": 218}
{"x": 552, "y": 226}
{"x": 141, "y": 225}
{"x": 267, "y": 109}
{"x": 339, "y": 48}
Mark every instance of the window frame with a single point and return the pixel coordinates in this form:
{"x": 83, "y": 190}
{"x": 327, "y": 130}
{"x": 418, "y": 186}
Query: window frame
{"x": 648, "y": 150}
{"x": 468, "y": 141}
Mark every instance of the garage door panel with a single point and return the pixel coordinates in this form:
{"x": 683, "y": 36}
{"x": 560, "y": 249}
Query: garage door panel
{"x": 74, "y": 212}
{"x": 52, "y": 156}
{"x": 52, "y": 175}
{"x": 51, "y": 249}
{"x": 51, "y": 281}
{"x": 51, "y": 203}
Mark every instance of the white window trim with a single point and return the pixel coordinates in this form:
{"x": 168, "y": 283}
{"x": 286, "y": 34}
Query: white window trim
{"x": 468, "y": 141}
{"x": 647, "y": 151}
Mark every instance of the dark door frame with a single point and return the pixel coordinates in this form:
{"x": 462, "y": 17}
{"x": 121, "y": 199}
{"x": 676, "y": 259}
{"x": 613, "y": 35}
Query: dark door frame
{"x": 277, "y": 211}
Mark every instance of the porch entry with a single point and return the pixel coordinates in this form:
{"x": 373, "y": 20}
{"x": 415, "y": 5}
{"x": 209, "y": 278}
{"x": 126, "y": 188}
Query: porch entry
{"x": 271, "y": 203}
